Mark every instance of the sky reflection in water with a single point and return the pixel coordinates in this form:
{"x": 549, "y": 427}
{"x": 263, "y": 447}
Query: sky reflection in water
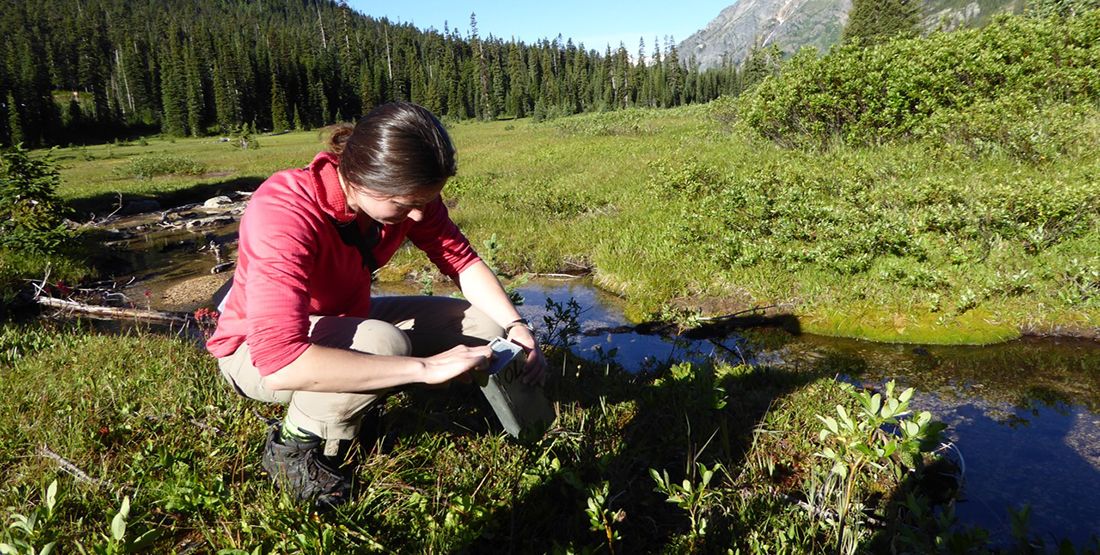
{"x": 1019, "y": 414}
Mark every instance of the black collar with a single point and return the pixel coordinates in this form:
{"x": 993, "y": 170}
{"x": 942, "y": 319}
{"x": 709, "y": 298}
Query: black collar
{"x": 363, "y": 242}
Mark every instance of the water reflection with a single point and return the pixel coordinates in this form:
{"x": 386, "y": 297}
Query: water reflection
{"x": 1044, "y": 455}
{"x": 1023, "y": 415}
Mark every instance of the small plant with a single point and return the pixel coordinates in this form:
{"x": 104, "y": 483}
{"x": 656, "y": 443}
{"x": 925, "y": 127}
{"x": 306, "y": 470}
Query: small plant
{"x": 31, "y": 214}
{"x": 600, "y": 515}
{"x": 206, "y": 319}
{"x": 859, "y": 442}
{"x": 31, "y": 534}
{"x": 562, "y": 326}
{"x": 243, "y": 138}
{"x": 116, "y": 539}
{"x": 924, "y": 530}
{"x": 689, "y": 496}
{"x": 427, "y": 283}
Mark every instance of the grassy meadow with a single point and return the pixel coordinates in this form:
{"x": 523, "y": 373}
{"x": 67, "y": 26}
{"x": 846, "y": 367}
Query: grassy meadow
{"x": 679, "y": 211}
{"x": 161, "y": 457}
{"x": 685, "y": 216}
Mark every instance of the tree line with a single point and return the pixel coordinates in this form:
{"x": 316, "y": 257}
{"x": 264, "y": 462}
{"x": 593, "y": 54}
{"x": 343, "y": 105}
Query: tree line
{"x": 78, "y": 70}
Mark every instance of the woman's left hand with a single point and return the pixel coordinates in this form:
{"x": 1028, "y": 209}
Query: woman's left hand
{"x": 534, "y": 372}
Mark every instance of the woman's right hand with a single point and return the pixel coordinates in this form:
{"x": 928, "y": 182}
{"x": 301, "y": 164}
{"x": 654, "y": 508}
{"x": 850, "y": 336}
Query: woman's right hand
{"x": 455, "y": 362}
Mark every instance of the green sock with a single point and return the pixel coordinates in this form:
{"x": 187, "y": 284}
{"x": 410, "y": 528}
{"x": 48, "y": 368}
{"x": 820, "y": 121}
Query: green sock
{"x": 291, "y": 432}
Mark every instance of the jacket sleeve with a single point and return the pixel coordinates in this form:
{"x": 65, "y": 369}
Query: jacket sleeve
{"x": 280, "y": 244}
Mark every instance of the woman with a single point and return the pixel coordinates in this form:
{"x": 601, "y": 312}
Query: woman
{"x": 299, "y": 326}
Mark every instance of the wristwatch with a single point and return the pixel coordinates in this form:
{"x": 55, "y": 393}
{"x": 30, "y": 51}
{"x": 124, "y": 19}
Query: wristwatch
{"x": 522, "y": 322}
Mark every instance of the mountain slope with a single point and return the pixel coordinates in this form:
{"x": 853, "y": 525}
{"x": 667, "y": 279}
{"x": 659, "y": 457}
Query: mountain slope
{"x": 793, "y": 24}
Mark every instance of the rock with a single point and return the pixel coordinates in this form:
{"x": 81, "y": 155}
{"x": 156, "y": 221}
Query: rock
{"x": 213, "y": 220}
{"x": 218, "y": 203}
{"x": 177, "y": 216}
{"x": 140, "y": 207}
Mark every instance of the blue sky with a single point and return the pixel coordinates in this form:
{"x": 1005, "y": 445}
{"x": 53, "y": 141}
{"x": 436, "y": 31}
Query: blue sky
{"x": 596, "y": 23}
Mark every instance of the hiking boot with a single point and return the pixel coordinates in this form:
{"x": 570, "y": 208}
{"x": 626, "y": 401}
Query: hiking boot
{"x": 300, "y": 469}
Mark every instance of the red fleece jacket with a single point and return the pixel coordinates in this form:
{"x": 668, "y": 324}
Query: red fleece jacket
{"x": 292, "y": 263}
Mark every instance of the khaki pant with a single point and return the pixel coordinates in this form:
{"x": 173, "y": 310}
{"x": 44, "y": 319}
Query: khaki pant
{"x": 403, "y": 326}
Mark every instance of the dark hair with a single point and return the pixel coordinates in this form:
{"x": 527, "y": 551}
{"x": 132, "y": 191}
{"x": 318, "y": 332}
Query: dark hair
{"x": 396, "y": 149}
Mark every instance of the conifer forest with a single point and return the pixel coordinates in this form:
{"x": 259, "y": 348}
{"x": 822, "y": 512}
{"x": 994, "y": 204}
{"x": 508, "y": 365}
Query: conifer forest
{"x": 86, "y": 70}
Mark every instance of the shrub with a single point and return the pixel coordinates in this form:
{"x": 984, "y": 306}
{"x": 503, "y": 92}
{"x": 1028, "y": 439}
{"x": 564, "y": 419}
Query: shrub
{"x": 147, "y": 167}
{"x": 30, "y": 211}
{"x": 619, "y": 122}
{"x": 965, "y": 85}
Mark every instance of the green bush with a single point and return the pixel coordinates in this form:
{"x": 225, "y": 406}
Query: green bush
{"x": 977, "y": 87}
{"x": 620, "y": 122}
{"x": 148, "y": 167}
{"x": 31, "y": 214}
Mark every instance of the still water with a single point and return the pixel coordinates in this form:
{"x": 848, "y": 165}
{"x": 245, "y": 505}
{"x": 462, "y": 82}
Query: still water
{"x": 1023, "y": 416}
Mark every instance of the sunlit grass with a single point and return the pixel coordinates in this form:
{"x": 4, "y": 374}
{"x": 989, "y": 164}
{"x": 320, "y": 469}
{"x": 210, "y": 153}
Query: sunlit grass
{"x": 894, "y": 243}
{"x": 149, "y": 418}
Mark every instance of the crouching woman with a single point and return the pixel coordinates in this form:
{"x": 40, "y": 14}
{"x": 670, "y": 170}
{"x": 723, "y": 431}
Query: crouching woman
{"x": 299, "y": 326}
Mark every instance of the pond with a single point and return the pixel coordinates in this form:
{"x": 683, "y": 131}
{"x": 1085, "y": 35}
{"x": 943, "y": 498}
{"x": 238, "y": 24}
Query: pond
{"x": 1024, "y": 416}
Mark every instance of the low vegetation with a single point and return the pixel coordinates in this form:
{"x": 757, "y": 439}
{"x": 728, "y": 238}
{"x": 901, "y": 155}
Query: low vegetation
{"x": 1018, "y": 87}
{"x": 679, "y": 459}
{"x": 148, "y": 167}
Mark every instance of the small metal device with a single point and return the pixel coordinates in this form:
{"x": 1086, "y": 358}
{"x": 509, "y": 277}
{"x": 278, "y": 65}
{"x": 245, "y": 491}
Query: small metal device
{"x": 521, "y": 408}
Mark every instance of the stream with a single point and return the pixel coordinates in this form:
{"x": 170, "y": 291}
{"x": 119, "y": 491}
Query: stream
{"x": 1024, "y": 416}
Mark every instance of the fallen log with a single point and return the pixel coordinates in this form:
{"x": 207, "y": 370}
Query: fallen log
{"x": 115, "y": 313}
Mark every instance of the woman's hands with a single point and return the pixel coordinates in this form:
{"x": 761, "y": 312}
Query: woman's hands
{"x": 455, "y": 362}
{"x": 534, "y": 372}
{"x": 483, "y": 289}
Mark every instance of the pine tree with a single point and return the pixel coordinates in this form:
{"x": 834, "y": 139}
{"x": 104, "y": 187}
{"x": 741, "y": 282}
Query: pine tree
{"x": 760, "y": 63}
{"x": 225, "y": 112}
{"x": 193, "y": 90}
{"x": 279, "y": 120}
{"x": 15, "y": 122}
{"x": 485, "y": 108}
{"x": 174, "y": 102}
{"x": 874, "y": 21}
{"x": 297, "y": 120}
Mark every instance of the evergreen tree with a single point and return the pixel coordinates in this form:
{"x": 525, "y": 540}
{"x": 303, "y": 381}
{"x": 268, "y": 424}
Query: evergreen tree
{"x": 15, "y": 123}
{"x": 279, "y": 120}
{"x": 187, "y": 66}
{"x": 174, "y": 101}
{"x": 760, "y": 63}
{"x": 485, "y": 108}
{"x": 193, "y": 90}
{"x": 874, "y": 21}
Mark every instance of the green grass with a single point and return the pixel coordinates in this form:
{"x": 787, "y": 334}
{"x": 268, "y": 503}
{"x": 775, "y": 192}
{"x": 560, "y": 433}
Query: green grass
{"x": 148, "y": 418}
{"x": 894, "y": 243}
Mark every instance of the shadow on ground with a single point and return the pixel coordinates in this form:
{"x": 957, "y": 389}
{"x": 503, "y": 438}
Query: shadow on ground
{"x": 665, "y": 420}
{"x": 107, "y": 203}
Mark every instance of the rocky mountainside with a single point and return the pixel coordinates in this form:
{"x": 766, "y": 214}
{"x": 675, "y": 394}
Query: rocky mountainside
{"x": 793, "y": 24}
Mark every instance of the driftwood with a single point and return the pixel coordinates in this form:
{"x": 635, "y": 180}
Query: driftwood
{"x": 71, "y": 468}
{"x": 114, "y": 313}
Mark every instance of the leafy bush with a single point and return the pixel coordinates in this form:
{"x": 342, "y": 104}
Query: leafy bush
{"x": 977, "y": 87}
{"x": 619, "y": 122}
{"x": 148, "y": 167}
{"x": 30, "y": 211}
